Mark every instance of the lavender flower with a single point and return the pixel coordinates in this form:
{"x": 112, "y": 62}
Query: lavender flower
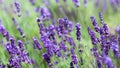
{"x": 101, "y": 17}
{"x": 93, "y": 37}
{"x": 85, "y": 3}
{"x": 62, "y": 46}
{"x": 37, "y": 44}
{"x": 17, "y": 5}
{"x": 118, "y": 30}
{"x": 45, "y": 13}
{"x": 76, "y": 3}
{"x": 21, "y": 46}
{"x": 47, "y": 58}
{"x": 32, "y": 2}
{"x": 108, "y": 62}
{"x": 78, "y": 32}
{"x": 95, "y": 24}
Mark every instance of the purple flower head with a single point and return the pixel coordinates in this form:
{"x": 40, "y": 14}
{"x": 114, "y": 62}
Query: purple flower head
{"x": 70, "y": 26}
{"x": 15, "y": 22}
{"x": 72, "y": 51}
{"x": 8, "y": 48}
{"x": 57, "y": 1}
{"x": 61, "y": 28}
{"x": 32, "y": 2}
{"x": 37, "y": 44}
{"x": 93, "y": 37}
{"x": 62, "y": 46}
{"x": 46, "y": 2}
{"x": 45, "y": 13}
{"x": 17, "y": 5}
{"x": 105, "y": 27}
{"x": 3, "y": 30}
{"x": 21, "y": 32}
{"x": 78, "y": 32}
{"x": 46, "y": 58}
{"x": 108, "y": 62}
{"x": 74, "y": 59}
{"x": 118, "y": 30}
{"x": 94, "y": 22}
{"x": 12, "y": 40}
{"x": 85, "y": 3}
{"x": 101, "y": 17}
{"x": 21, "y": 45}
{"x": 76, "y": 3}
{"x": 70, "y": 40}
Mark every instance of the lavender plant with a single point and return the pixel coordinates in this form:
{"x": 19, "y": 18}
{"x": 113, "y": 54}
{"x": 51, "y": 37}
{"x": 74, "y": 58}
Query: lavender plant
{"x": 59, "y": 34}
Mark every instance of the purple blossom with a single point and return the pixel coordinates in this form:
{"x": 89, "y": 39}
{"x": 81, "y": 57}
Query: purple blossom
{"x": 74, "y": 59}
{"x": 62, "y": 46}
{"x": 32, "y": 2}
{"x": 21, "y": 45}
{"x": 118, "y": 29}
{"x": 46, "y": 58}
{"x": 45, "y": 13}
{"x": 108, "y": 62}
{"x": 95, "y": 24}
{"x": 85, "y": 3}
{"x": 93, "y": 37}
{"x": 37, "y": 44}
{"x": 76, "y": 3}
{"x": 17, "y": 5}
{"x": 78, "y": 32}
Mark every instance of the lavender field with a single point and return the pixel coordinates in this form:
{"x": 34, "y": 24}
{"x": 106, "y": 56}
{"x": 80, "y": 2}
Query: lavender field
{"x": 59, "y": 33}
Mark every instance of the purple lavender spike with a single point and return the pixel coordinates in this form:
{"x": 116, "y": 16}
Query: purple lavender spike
{"x": 57, "y": 1}
{"x": 76, "y": 3}
{"x": 21, "y": 32}
{"x": 108, "y": 62}
{"x": 95, "y": 24}
{"x": 15, "y": 22}
{"x": 45, "y": 13}
{"x": 118, "y": 30}
{"x": 78, "y": 32}
{"x": 32, "y": 2}
{"x": 70, "y": 41}
{"x": 47, "y": 58}
{"x": 93, "y": 37}
{"x": 101, "y": 17}
{"x": 99, "y": 63}
{"x": 85, "y": 3}
{"x": 62, "y": 46}
{"x": 21, "y": 45}
{"x": 74, "y": 59}
{"x": 70, "y": 26}
{"x": 17, "y": 5}
{"x": 105, "y": 27}
{"x": 37, "y": 44}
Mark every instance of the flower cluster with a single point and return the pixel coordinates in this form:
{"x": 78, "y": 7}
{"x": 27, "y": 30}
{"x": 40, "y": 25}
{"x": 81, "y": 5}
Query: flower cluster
{"x": 59, "y": 41}
{"x": 106, "y": 42}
